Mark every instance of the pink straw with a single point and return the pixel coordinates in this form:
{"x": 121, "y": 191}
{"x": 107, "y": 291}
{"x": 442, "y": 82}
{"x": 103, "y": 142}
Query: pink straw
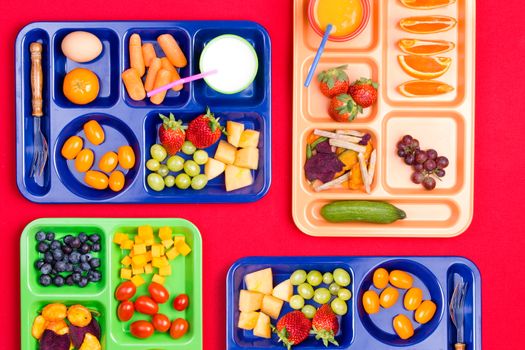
{"x": 181, "y": 81}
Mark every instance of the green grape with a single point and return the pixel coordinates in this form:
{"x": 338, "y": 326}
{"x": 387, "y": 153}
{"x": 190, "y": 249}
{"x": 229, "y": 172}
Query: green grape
{"x": 199, "y": 182}
{"x": 153, "y": 164}
{"x": 175, "y": 163}
{"x": 328, "y": 278}
{"x": 322, "y": 296}
{"x": 188, "y": 148}
{"x": 314, "y": 278}
{"x": 163, "y": 170}
{"x": 334, "y": 288}
{"x": 305, "y": 290}
{"x": 158, "y": 152}
{"x": 200, "y": 157}
{"x": 342, "y": 277}
{"x": 339, "y": 307}
{"x": 344, "y": 294}
{"x": 182, "y": 181}
{"x": 309, "y": 311}
{"x": 296, "y": 302}
{"x": 169, "y": 181}
{"x": 155, "y": 182}
{"x": 298, "y": 277}
{"x": 191, "y": 168}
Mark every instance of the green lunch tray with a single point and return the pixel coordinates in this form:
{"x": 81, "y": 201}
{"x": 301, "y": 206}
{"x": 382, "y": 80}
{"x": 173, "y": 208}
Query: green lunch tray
{"x": 186, "y": 278}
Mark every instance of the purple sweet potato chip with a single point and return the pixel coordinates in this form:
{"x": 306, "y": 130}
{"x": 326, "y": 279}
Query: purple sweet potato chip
{"x": 324, "y": 147}
{"x": 78, "y": 333}
{"x": 52, "y": 341}
{"x": 322, "y": 167}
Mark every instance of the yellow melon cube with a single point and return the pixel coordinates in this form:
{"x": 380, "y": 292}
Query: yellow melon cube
{"x": 172, "y": 253}
{"x": 120, "y": 237}
{"x": 139, "y": 260}
{"x": 148, "y": 269}
{"x": 149, "y": 242}
{"x": 165, "y": 233}
{"x": 139, "y": 249}
{"x": 158, "y": 279}
{"x": 137, "y": 270}
{"x": 138, "y": 280}
{"x": 138, "y": 240}
{"x": 145, "y": 232}
{"x": 126, "y": 261}
{"x": 126, "y": 274}
{"x": 157, "y": 250}
{"x": 127, "y": 244}
{"x": 165, "y": 270}
{"x": 183, "y": 248}
{"x": 167, "y": 243}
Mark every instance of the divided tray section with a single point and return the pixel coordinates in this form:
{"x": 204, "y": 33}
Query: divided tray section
{"x": 435, "y": 276}
{"x": 186, "y": 278}
{"x": 444, "y": 123}
{"x": 129, "y": 122}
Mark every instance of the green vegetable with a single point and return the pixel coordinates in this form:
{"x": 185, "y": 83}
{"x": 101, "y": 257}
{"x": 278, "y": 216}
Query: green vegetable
{"x": 362, "y": 211}
{"x": 318, "y": 141}
{"x": 308, "y": 151}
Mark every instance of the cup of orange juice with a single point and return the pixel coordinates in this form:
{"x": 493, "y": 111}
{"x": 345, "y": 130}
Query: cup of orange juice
{"x": 348, "y": 17}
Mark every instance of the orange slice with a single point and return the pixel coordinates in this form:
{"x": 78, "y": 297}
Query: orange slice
{"x": 427, "y": 24}
{"x": 425, "y": 47}
{"x": 427, "y": 4}
{"x": 424, "y": 67}
{"x": 424, "y": 88}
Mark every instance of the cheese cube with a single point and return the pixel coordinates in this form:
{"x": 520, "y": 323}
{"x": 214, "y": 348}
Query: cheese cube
{"x": 139, "y": 261}
{"x": 119, "y": 238}
{"x": 127, "y": 244}
{"x": 126, "y": 274}
{"x": 138, "y": 240}
{"x": 137, "y": 270}
{"x": 145, "y": 232}
{"x": 149, "y": 242}
{"x": 148, "y": 269}
{"x": 178, "y": 239}
{"x": 131, "y": 254}
{"x": 139, "y": 249}
{"x": 172, "y": 253}
{"x": 165, "y": 270}
{"x": 138, "y": 280}
{"x": 157, "y": 250}
{"x": 167, "y": 243}
{"x": 183, "y": 248}
{"x": 160, "y": 262}
{"x": 165, "y": 233}
{"x": 158, "y": 279}
{"x": 126, "y": 261}
{"x": 149, "y": 257}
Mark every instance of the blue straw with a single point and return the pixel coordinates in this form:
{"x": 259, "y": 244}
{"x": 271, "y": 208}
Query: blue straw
{"x": 318, "y": 55}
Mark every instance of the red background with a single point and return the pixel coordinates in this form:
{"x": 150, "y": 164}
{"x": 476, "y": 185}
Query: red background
{"x": 494, "y": 241}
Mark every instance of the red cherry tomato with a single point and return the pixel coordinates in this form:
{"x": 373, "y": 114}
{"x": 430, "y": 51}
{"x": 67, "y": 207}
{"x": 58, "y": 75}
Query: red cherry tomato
{"x": 125, "y": 291}
{"x": 161, "y": 322}
{"x": 179, "y": 327}
{"x": 146, "y": 305}
{"x": 125, "y": 311}
{"x": 180, "y": 303}
{"x": 141, "y": 329}
{"x": 158, "y": 293}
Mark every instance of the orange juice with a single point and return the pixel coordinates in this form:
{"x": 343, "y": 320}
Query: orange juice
{"x": 344, "y": 15}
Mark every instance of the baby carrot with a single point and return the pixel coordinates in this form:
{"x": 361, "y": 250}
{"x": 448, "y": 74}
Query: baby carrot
{"x": 172, "y": 50}
{"x": 148, "y": 52}
{"x": 135, "y": 54}
{"x": 174, "y": 74}
{"x": 133, "y": 84}
{"x": 163, "y": 78}
{"x": 152, "y": 74}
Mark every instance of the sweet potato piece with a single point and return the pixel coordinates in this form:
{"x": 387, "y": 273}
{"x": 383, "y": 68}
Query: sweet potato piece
{"x": 355, "y": 182}
{"x": 368, "y": 152}
{"x": 349, "y": 159}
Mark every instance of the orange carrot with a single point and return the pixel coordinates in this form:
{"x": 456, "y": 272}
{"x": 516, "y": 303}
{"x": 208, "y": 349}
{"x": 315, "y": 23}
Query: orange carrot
{"x": 311, "y": 138}
{"x": 172, "y": 50}
{"x": 133, "y": 84}
{"x": 148, "y": 52}
{"x": 174, "y": 74}
{"x": 152, "y": 74}
{"x": 136, "y": 60}
{"x": 163, "y": 78}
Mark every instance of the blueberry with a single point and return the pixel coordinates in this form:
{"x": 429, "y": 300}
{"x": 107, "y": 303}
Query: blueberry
{"x": 65, "y": 258}
{"x": 42, "y": 247}
{"x": 67, "y": 249}
{"x": 69, "y": 280}
{"x": 40, "y": 236}
{"x": 67, "y": 239}
{"x": 69, "y": 267}
{"x": 46, "y": 269}
{"x": 83, "y": 282}
{"x": 94, "y": 276}
{"x": 83, "y": 237}
{"x": 58, "y": 281}
{"x": 95, "y": 247}
{"x": 76, "y": 276}
{"x": 85, "y": 266}
{"x": 85, "y": 258}
{"x": 50, "y": 236}
{"x": 60, "y": 266}
{"x": 95, "y": 262}
{"x": 74, "y": 257}
{"x": 77, "y": 269}
{"x": 58, "y": 255}
{"x": 94, "y": 238}
{"x": 48, "y": 257}
{"x": 85, "y": 248}
{"x": 55, "y": 245}
{"x": 54, "y": 272}
{"x": 75, "y": 243}
{"x": 44, "y": 280}
{"x": 39, "y": 263}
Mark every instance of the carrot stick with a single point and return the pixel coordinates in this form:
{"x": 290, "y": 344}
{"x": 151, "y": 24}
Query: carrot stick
{"x": 172, "y": 50}
{"x": 148, "y": 52}
{"x": 154, "y": 68}
{"x": 136, "y": 59}
{"x": 166, "y": 64}
{"x": 163, "y": 78}
{"x": 133, "y": 84}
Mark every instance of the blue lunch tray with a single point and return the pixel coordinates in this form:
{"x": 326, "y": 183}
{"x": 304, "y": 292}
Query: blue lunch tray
{"x": 134, "y": 123}
{"x": 358, "y": 330}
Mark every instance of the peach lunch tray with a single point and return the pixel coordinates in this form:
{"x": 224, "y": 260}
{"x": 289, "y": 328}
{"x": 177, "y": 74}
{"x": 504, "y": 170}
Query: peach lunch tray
{"x": 444, "y": 122}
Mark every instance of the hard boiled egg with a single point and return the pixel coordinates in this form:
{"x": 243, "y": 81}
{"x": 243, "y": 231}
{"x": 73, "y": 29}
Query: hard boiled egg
{"x": 80, "y": 46}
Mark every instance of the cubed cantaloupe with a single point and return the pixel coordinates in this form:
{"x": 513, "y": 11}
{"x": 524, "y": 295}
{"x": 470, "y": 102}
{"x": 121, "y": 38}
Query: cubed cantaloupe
{"x": 283, "y": 290}
{"x": 225, "y": 152}
{"x": 272, "y": 306}
{"x": 126, "y": 274}
{"x": 248, "y": 319}
{"x": 120, "y": 237}
{"x": 145, "y": 232}
{"x": 236, "y": 178}
{"x": 249, "y": 138}
{"x": 250, "y": 301}
{"x": 247, "y": 158}
{"x": 260, "y": 281}
{"x": 234, "y": 131}
{"x": 213, "y": 168}
{"x": 138, "y": 280}
{"x": 165, "y": 233}
{"x": 262, "y": 327}
{"x": 158, "y": 279}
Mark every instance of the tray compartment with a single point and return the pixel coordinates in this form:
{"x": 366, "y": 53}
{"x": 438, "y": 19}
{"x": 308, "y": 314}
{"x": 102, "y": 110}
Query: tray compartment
{"x": 103, "y": 66}
{"x": 257, "y": 92}
{"x": 175, "y": 99}
{"x": 117, "y": 134}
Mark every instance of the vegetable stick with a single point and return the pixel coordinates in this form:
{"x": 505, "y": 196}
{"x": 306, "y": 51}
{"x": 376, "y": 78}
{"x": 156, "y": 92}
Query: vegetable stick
{"x": 341, "y": 179}
{"x": 364, "y": 172}
{"x": 350, "y": 132}
{"x": 347, "y": 145}
{"x": 154, "y": 68}
{"x": 163, "y": 78}
{"x": 166, "y": 64}
{"x": 148, "y": 52}
{"x": 172, "y": 50}
{"x": 133, "y": 84}
{"x": 136, "y": 60}
{"x": 332, "y": 135}
{"x": 372, "y": 167}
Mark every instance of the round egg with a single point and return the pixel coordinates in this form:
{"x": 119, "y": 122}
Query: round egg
{"x": 80, "y": 46}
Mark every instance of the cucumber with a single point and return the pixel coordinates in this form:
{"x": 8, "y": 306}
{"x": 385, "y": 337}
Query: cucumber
{"x": 362, "y": 211}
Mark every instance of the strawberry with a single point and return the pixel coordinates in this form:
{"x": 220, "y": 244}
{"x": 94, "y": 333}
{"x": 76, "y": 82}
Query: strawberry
{"x": 293, "y": 328}
{"x": 343, "y": 108}
{"x": 204, "y": 130}
{"x": 364, "y": 92}
{"x": 333, "y": 81}
{"x": 325, "y": 325}
{"x": 171, "y": 134}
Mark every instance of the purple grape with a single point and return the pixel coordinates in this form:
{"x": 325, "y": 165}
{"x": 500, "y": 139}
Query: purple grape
{"x": 421, "y": 157}
{"x": 442, "y": 162}
{"x": 417, "y": 177}
{"x": 418, "y": 167}
{"x": 430, "y": 165}
{"x": 429, "y": 183}
{"x": 407, "y": 140}
{"x": 409, "y": 159}
{"x": 401, "y": 153}
{"x": 414, "y": 144}
{"x": 432, "y": 154}
{"x": 440, "y": 172}
{"x": 401, "y": 145}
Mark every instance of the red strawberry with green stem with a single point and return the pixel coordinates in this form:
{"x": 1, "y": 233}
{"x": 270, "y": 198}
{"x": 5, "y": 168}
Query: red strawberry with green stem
{"x": 343, "y": 108}
{"x": 171, "y": 134}
{"x": 204, "y": 130}
{"x": 293, "y": 328}
{"x": 333, "y": 81}
{"x": 364, "y": 92}
{"x": 325, "y": 325}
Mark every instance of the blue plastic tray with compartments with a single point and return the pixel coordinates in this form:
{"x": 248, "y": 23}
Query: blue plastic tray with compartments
{"x": 128, "y": 122}
{"x": 436, "y": 276}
